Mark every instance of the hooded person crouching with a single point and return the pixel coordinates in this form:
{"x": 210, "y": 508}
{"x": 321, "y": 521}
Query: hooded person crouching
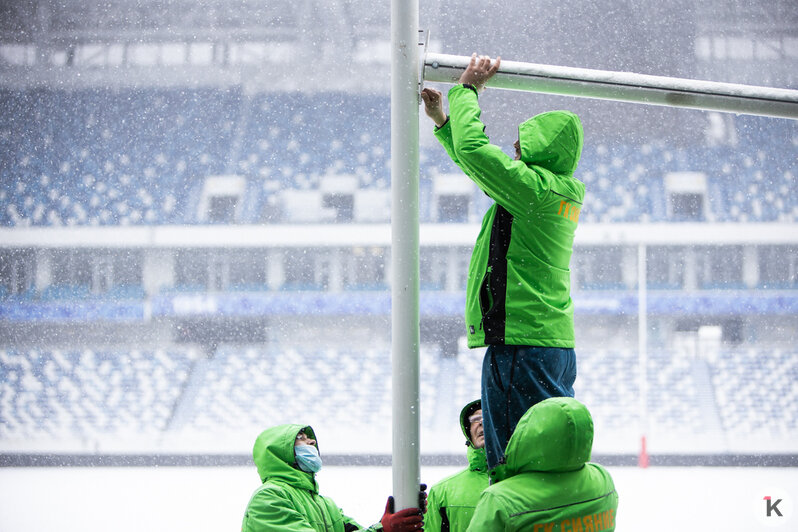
{"x": 548, "y": 483}
{"x": 287, "y": 458}
{"x": 453, "y": 499}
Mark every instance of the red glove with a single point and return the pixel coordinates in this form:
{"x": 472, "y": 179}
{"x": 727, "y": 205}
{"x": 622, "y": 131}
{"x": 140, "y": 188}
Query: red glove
{"x": 401, "y": 521}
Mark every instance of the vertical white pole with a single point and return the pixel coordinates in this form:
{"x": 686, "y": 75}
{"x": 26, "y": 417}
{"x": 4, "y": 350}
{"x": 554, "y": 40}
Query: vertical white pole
{"x": 642, "y": 339}
{"x": 404, "y": 251}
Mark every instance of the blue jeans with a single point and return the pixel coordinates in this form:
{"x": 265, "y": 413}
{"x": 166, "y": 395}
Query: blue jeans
{"x": 515, "y": 377}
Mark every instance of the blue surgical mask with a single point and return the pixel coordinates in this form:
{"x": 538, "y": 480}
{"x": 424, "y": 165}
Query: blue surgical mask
{"x": 307, "y": 458}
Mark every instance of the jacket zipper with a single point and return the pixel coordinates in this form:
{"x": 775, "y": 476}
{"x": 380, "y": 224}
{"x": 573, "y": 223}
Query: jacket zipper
{"x": 321, "y": 510}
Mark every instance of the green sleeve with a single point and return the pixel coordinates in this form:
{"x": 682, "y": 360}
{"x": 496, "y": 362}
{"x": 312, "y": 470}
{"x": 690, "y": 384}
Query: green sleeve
{"x": 444, "y": 136}
{"x": 432, "y": 519}
{"x": 488, "y": 515}
{"x": 510, "y": 183}
{"x": 269, "y": 510}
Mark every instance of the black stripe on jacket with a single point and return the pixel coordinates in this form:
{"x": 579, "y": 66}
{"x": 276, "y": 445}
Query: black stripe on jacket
{"x": 445, "y": 526}
{"x": 494, "y": 286}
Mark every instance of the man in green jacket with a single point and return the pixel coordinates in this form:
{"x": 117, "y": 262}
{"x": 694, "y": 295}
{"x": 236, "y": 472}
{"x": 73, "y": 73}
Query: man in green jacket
{"x": 287, "y": 459}
{"x": 453, "y": 499}
{"x": 549, "y": 484}
{"x": 518, "y": 300}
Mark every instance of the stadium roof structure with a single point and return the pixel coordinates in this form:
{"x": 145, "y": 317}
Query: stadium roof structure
{"x": 111, "y": 21}
{"x": 278, "y": 43}
{"x": 317, "y": 45}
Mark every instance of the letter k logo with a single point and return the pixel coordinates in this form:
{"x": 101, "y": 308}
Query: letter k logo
{"x": 772, "y": 506}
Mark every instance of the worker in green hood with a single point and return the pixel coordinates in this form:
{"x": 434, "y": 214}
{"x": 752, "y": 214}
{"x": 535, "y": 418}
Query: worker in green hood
{"x": 518, "y": 293}
{"x": 288, "y": 458}
{"x": 549, "y": 483}
{"x": 453, "y": 499}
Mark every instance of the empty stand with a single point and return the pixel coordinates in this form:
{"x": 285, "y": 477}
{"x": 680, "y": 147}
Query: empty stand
{"x": 88, "y": 395}
{"x": 752, "y": 388}
{"x": 139, "y": 157}
{"x": 109, "y": 397}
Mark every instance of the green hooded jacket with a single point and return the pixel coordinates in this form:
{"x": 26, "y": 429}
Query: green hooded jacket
{"x": 519, "y": 279}
{"x": 548, "y": 482}
{"x": 451, "y": 501}
{"x": 288, "y": 499}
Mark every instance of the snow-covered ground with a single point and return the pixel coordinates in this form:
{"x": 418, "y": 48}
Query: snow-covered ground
{"x": 213, "y": 499}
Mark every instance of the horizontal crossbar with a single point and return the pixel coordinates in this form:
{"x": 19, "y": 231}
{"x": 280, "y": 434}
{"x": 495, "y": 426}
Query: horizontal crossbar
{"x": 623, "y": 87}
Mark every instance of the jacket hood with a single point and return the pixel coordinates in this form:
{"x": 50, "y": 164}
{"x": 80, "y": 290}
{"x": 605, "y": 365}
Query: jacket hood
{"x": 274, "y": 456}
{"x": 553, "y": 141}
{"x": 555, "y": 435}
{"x": 477, "y": 460}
